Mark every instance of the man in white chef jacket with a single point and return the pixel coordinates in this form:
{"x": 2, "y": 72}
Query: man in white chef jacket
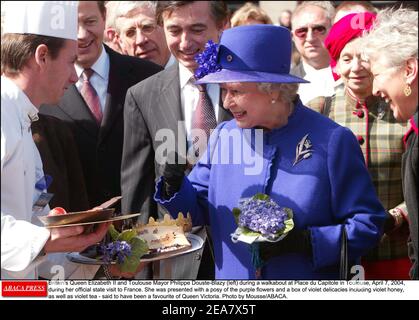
{"x": 38, "y": 51}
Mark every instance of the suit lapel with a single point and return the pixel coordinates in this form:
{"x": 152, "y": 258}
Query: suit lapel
{"x": 74, "y": 106}
{"x": 169, "y": 100}
{"x": 115, "y": 93}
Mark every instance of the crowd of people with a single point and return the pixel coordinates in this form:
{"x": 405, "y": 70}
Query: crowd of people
{"x": 136, "y": 98}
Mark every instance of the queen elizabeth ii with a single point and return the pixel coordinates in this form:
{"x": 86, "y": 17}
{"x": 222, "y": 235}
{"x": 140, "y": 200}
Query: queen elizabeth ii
{"x": 307, "y": 163}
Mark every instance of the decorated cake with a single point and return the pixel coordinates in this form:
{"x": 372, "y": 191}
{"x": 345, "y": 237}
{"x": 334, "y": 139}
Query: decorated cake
{"x": 167, "y": 235}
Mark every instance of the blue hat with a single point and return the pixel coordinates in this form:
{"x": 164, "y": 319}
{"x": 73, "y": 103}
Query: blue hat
{"x": 253, "y": 53}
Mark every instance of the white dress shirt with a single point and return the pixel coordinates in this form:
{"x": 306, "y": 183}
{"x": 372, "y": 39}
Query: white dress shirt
{"x": 190, "y": 94}
{"x": 100, "y": 78}
{"x": 321, "y": 83}
{"x": 21, "y": 168}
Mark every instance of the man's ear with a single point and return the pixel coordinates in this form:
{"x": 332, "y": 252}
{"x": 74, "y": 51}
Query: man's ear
{"x": 118, "y": 42}
{"x": 221, "y": 26}
{"x": 116, "y": 39}
{"x": 411, "y": 70}
{"x": 110, "y": 34}
{"x": 41, "y": 56}
{"x": 226, "y": 24}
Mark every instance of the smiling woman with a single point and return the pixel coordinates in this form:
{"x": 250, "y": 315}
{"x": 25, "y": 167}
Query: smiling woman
{"x": 263, "y": 99}
{"x": 254, "y": 104}
{"x": 393, "y": 53}
{"x": 379, "y": 135}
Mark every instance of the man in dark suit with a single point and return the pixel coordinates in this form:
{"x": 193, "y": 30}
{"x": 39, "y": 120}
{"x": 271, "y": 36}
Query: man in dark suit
{"x": 61, "y": 160}
{"x": 165, "y": 104}
{"x": 94, "y": 105}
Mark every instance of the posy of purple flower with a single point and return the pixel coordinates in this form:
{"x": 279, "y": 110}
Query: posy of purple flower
{"x": 263, "y": 216}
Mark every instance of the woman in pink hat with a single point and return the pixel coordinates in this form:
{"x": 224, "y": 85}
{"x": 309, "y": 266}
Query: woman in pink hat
{"x": 379, "y": 135}
{"x": 278, "y": 147}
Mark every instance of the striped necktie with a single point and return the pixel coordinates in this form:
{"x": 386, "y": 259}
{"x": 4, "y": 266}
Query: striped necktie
{"x": 203, "y": 118}
{"x": 90, "y": 96}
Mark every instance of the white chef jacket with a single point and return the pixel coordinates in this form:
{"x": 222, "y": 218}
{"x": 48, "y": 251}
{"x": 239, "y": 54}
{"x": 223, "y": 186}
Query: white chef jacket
{"x": 21, "y": 168}
{"x": 22, "y": 236}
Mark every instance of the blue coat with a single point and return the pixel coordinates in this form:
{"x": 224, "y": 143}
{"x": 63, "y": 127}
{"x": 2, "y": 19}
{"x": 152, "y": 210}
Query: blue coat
{"x": 330, "y": 189}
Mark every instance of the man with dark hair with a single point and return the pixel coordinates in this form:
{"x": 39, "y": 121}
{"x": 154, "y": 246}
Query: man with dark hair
{"x": 102, "y": 7}
{"x": 168, "y": 102}
{"x": 37, "y": 59}
{"x": 94, "y": 105}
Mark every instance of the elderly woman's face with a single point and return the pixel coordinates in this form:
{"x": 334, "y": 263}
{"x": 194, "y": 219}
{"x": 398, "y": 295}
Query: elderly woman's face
{"x": 354, "y": 70}
{"x": 252, "y": 107}
{"x": 389, "y": 83}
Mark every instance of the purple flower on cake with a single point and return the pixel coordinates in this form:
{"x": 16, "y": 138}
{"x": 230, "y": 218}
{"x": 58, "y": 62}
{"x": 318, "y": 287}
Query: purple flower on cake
{"x": 125, "y": 249}
{"x": 117, "y": 250}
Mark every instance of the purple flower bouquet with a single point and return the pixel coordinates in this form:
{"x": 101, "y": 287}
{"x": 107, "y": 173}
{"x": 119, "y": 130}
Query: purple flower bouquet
{"x": 261, "y": 219}
{"x": 125, "y": 249}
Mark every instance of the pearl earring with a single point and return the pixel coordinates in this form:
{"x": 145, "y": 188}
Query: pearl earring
{"x": 273, "y": 101}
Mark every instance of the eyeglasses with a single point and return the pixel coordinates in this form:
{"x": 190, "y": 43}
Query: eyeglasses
{"x": 148, "y": 28}
{"x": 145, "y": 29}
{"x": 316, "y": 31}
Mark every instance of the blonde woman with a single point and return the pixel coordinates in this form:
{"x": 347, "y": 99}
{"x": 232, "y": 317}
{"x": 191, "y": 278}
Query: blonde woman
{"x": 249, "y": 14}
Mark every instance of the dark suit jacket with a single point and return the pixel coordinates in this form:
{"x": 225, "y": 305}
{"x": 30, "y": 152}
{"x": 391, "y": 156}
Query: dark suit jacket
{"x": 100, "y": 148}
{"x": 60, "y": 160}
{"x": 151, "y": 105}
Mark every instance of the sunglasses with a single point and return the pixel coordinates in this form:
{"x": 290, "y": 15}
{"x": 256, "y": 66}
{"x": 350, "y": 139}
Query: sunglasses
{"x": 316, "y": 31}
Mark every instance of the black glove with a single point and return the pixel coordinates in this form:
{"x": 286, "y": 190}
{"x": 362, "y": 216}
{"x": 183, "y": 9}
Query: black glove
{"x": 173, "y": 174}
{"x": 295, "y": 242}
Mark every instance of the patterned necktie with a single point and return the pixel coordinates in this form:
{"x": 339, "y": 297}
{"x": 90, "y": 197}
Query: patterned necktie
{"x": 203, "y": 118}
{"x": 89, "y": 95}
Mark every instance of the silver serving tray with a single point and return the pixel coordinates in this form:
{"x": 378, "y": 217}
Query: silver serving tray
{"x": 196, "y": 243}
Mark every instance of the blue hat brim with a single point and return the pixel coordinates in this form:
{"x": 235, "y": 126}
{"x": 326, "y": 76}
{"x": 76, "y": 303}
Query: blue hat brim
{"x": 226, "y": 75}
